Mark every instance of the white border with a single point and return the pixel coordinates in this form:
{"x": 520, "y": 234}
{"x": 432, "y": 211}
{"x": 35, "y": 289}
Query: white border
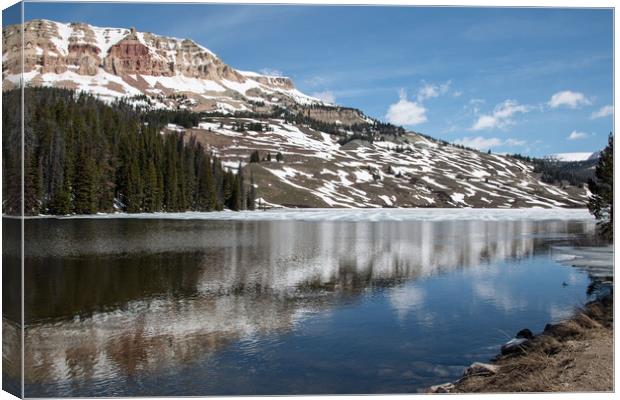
{"x": 475, "y": 3}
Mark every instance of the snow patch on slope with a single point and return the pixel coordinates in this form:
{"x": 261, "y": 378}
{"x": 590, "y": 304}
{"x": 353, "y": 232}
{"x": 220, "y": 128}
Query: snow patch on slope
{"x": 578, "y": 156}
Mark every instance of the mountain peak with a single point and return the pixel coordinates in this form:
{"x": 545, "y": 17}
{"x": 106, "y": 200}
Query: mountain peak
{"x": 122, "y": 62}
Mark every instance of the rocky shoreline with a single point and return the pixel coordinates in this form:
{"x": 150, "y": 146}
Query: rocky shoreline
{"x": 573, "y": 355}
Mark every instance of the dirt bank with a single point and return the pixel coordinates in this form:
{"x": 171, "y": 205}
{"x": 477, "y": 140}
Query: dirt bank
{"x": 573, "y": 356}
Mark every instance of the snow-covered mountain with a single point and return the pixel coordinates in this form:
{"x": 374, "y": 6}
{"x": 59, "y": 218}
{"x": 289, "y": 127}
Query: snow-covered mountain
{"x": 330, "y": 156}
{"x": 120, "y": 62}
{"x": 579, "y": 156}
{"x": 408, "y": 170}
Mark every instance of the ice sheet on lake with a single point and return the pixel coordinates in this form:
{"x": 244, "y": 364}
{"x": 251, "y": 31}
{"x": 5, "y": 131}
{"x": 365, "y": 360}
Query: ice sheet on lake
{"x": 366, "y": 215}
{"x": 596, "y": 261}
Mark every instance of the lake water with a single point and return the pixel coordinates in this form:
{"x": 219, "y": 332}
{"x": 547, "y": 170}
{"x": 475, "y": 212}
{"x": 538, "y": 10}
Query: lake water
{"x": 129, "y": 306}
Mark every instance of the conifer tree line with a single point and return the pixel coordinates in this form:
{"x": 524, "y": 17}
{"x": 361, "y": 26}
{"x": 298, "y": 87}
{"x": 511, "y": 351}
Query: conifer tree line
{"x": 576, "y": 173}
{"x": 83, "y": 156}
{"x": 365, "y": 131}
{"x": 601, "y": 204}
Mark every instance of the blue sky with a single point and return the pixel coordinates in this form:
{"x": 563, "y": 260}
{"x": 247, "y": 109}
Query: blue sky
{"x": 533, "y": 81}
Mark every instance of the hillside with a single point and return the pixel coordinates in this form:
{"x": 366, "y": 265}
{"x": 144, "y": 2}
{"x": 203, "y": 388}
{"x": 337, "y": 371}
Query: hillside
{"x": 409, "y": 170}
{"x": 305, "y": 153}
{"x": 84, "y": 156}
{"x": 574, "y": 157}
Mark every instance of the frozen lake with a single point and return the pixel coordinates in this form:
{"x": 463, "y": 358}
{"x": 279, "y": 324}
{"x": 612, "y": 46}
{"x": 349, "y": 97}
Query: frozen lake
{"x": 363, "y": 214}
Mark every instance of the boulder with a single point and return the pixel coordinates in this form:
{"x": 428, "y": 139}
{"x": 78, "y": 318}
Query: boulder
{"x": 443, "y": 388}
{"x": 604, "y": 289}
{"x": 479, "y": 368}
{"x": 514, "y": 345}
{"x": 563, "y": 330}
{"x": 525, "y": 334}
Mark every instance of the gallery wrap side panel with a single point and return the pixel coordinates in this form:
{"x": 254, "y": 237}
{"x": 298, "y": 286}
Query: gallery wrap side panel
{"x": 12, "y": 203}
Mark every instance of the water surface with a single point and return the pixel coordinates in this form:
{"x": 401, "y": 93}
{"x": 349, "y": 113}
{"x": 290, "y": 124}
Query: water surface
{"x": 120, "y": 307}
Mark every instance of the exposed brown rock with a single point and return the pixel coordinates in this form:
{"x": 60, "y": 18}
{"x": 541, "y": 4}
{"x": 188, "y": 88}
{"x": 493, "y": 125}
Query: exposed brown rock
{"x": 11, "y": 50}
{"x": 86, "y": 57}
{"x": 115, "y": 86}
{"x": 66, "y": 84}
{"x": 7, "y": 85}
{"x": 132, "y": 57}
{"x": 139, "y": 82}
{"x": 345, "y": 115}
{"x": 136, "y": 53}
{"x": 55, "y": 48}
{"x": 51, "y": 64}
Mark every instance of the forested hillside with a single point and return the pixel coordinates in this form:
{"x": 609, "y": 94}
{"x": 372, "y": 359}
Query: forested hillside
{"x": 84, "y": 156}
{"x": 576, "y": 173}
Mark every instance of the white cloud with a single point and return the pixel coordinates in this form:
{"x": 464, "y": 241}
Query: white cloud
{"x": 405, "y": 112}
{"x": 482, "y": 143}
{"x": 484, "y": 122}
{"x": 514, "y": 142}
{"x": 430, "y": 90}
{"x": 501, "y": 116}
{"x": 407, "y": 299}
{"x": 500, "y": 297}
{"x": 327, "y": 96}
{"x": 603, "y": 112}
{"x": 473, "y": 106}
{"x": 568, "y": 99}
{"x": 479, "y": 142}
{"x": 271, "y": 72}
{"x": 574, "y": 135}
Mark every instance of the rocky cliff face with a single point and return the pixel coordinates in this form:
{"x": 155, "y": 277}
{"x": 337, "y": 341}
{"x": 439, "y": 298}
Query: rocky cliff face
{"x": 114, "y": 62}
{"x": 338, "y": 115}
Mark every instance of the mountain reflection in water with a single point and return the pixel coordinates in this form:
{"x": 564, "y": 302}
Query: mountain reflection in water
{"x": 111, "y": 303}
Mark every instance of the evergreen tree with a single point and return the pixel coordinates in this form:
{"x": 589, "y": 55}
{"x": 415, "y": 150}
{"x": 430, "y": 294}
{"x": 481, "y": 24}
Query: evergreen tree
{"x": 85, "y": 184}
{"x": 11, "y": 153}
{"x": 251, "y": 196}
{"x": 239, "y": 181}
{"x": 206, "y": 190}
{"x": 255, "y": 157}
{"x": 234, "y": 202}
{"x": 150, "y": 188}
{"x": 601, "y": 203}
{"x": 83, "y": 156}
{"x": 219, "y": 175}
{"x": 227, "y": 188}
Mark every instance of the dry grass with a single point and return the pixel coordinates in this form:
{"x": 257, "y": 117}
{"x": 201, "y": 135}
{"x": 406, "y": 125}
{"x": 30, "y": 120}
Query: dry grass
{"x": 575, "y": 355}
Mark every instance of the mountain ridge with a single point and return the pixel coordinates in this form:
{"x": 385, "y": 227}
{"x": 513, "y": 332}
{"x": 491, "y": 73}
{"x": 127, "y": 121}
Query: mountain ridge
{"x": 302, "y": 152}
{"x": 121, "y": 62}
